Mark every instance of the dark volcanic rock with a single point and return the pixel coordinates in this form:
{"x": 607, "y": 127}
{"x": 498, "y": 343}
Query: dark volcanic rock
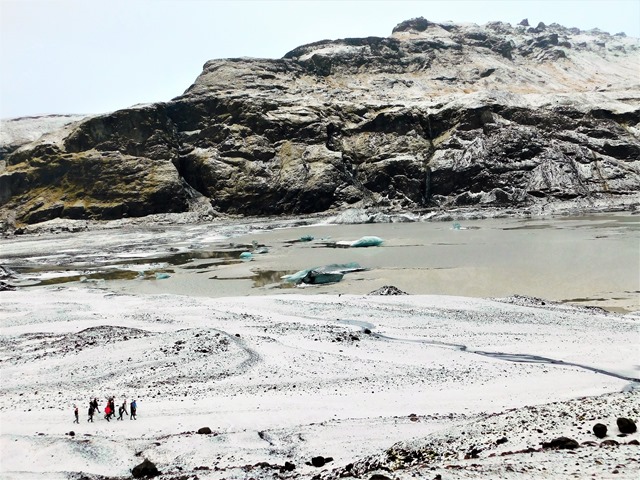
{"x": 145, "y": 469}
{"x": 320, "y": 461}
{"x": 609, "y": 443}
{"x": 600, "y": 430}
{"x": 6, "y": 287}
{"x": 204, "y": 431}
{"x": 626, "y": 425}
{"x": 561, "y": 443}
{"x": 388, "y": 290}
{"x": 434, "y": 116}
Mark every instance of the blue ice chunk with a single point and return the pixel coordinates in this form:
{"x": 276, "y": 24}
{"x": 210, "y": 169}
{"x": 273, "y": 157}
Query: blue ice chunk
{"x": 325, "y": 274}
{"x": 369, "y": 241}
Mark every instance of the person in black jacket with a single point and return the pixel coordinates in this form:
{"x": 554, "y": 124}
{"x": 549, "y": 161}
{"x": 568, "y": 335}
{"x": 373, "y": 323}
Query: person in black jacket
{"x": 122, "y": 409}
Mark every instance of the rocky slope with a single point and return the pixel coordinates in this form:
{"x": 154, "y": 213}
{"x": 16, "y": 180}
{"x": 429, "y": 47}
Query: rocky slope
{"x": 436, "y": 115}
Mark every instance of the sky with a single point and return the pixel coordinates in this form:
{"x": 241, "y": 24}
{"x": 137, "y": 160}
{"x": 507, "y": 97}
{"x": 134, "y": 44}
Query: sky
{"x": 96, "y": 56}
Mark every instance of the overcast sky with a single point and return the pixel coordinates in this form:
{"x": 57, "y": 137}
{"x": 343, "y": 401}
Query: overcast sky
{"x": 94, "y": 56}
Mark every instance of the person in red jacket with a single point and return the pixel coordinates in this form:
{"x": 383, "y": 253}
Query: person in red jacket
{"x": 107, "y": 412}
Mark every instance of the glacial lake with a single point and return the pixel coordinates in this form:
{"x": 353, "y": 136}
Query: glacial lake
{"x": 587, "y": 260}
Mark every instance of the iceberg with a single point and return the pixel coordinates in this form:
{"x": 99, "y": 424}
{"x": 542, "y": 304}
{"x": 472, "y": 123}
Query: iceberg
{"x": 367, "y": 241}
{"x": 332, "y": 273}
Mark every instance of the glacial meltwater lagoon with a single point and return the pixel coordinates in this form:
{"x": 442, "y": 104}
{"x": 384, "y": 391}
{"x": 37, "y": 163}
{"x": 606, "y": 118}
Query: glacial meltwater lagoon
{"x": 585, "y": 260}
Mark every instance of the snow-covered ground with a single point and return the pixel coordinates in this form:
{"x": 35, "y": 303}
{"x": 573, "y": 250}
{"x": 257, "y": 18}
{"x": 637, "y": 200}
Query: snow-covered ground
{"x": 18, "y": 131}
{"x": 285, "y": 378}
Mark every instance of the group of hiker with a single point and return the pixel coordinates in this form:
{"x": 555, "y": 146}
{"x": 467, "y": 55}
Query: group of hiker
{"x": 109, "y": 410}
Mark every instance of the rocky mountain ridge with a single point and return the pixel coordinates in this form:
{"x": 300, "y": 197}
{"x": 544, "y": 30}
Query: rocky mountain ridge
{"x": 434, "y": 116}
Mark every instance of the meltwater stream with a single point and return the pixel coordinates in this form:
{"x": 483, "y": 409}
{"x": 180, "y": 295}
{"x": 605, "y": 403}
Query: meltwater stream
{"x": 509, "y": 357}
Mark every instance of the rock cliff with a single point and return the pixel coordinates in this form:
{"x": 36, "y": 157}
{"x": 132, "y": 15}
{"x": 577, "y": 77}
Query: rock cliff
{"x": 435, "y": 115}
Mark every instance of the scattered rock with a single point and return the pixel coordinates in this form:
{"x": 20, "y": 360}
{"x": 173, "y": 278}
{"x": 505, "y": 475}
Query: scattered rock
{"x": 473, "y": 453}
{"x": 626, "y": 425}
{"x": 561, "y": 443}
{"x": 320, "y": 461}
{"x": 6, "y": 287}
{"x": 379, "y": 476}
{"x": 289, "y": 467}
{"x": 388, "y": 290}
{"x": 502, "y": 440}
{"x": 145, "y": 469}
{"x": 600, "y": 430}
{"x": 204, "y": 431}
{"x": 609, "y": 443}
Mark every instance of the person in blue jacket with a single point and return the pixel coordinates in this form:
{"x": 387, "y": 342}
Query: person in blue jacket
{"x": 133, "y": 406}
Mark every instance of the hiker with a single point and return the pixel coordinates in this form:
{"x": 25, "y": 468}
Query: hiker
{"x": 122, "y": 409}
{"x": 75, "y": 413}
{"x": 91, "y": 412}
{"x": 111, "y": 406}
{"x": 132, "y": 408}
{"x": 107, "y": 412}
{"x": 94, "y": 404}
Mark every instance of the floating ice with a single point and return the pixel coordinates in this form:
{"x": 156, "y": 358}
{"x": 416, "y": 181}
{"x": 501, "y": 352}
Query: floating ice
{"x": 367, "y": 241}
{"x": 326, "y": 274}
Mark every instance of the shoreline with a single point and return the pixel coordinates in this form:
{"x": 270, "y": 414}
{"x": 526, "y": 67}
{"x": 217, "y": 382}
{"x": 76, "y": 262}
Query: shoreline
{"x": 352, "y": 215}
{"x": 553, "y": 258}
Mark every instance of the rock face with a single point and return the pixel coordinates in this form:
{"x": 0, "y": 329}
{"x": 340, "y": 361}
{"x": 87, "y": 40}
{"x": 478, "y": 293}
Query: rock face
{"x": 436, "y": 115}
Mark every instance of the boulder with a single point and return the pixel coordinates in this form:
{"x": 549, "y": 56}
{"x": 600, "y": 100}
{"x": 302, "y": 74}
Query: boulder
{"x": 626, "y": 425}
{"x": 320, "y": 461}
{"x": 204, "y": 431}
{"x": 145, "y": 469}
{"x": 600, "y": 430}
{"x": 561, "y": 443}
